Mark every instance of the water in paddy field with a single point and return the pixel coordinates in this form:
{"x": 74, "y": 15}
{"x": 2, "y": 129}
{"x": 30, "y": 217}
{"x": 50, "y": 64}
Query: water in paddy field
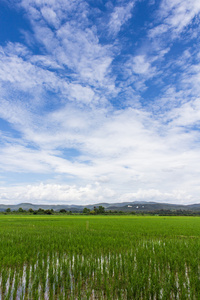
{"x": 143, "y": 272}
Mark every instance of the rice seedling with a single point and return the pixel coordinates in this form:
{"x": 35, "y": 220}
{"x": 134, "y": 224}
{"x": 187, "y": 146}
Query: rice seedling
{"x": 99, "y": 257}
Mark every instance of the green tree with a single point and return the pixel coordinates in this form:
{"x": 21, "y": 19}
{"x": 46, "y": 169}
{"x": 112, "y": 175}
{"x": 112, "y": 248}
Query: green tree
{"x": 20, "y": 210}
{"x": 101, "y": 210}
{"x": 40, "y": 211}
{"x": 48, "y": 212}
{"x": 86, "y": 210}
{"x": 8, "y": 210}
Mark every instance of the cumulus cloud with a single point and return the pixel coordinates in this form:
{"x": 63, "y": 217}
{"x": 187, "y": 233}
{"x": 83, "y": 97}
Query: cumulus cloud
{"x": 129, "y": 148}
{"x": 51, "y": 193}
{"x": 84, "y": 195}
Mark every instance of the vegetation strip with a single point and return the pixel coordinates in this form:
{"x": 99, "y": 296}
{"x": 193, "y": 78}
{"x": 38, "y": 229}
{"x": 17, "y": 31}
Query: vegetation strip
{"x": 99, "y": 257}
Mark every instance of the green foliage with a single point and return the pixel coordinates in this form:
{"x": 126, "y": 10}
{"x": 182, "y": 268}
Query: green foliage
{"x": 99, "y": 257}
{"x": 20, "y": 210}
{"x": 86, "y": 210}
{"x": 48, "y": 212}
{"x": 101, "y": 210}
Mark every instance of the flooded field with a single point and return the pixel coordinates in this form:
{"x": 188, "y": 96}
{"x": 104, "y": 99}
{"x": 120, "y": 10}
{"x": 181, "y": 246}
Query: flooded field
{"x": 78, "y": 257}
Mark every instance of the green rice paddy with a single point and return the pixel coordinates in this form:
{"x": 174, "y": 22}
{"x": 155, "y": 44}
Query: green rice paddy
{"x": 99, "y": 257}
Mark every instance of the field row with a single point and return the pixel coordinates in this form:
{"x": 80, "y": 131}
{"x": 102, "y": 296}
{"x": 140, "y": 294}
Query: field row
{"x": 100, "y": 258}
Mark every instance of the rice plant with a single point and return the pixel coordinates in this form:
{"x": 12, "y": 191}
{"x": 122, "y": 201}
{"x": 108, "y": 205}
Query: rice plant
{"x": 99, "y": 257}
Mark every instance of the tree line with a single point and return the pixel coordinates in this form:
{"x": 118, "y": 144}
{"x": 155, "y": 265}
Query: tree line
{"x": 40, "y": 211}
{"x": 100, "y": 210}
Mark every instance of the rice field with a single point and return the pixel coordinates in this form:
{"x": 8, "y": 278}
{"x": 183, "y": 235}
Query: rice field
{"x": 99, "y": 257}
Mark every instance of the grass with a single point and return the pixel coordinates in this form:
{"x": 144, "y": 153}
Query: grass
{"x": 107, "y": 257}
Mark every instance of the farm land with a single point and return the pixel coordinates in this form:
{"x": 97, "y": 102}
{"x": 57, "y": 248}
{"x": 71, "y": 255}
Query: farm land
{"x": 99, "y": 257}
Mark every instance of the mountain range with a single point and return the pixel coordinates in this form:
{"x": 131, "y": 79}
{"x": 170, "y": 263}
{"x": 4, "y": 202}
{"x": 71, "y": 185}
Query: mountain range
{"x": 123, "y": 206}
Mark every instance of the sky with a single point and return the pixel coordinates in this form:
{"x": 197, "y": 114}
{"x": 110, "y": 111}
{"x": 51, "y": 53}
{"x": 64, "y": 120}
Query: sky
{"x": 99, "y": 101}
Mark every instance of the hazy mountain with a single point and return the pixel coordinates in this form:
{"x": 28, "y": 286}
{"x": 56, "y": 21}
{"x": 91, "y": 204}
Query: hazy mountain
{"x": 124, "y": 206}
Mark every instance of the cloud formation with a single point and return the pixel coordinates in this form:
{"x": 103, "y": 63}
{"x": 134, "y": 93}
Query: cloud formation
{"x": 101, "y": 102}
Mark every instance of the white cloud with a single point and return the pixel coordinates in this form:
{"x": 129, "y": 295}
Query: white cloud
{"x": 50, "y": 16}
{"x": 89, "y": 194}
{"x": 81, "y": 52}
{"x": 71, "y": 43}
{"x": 124, "y": 151}
{"x": 175, "y": 15}
{"x": 140, "y": 68}
{"x": 45, "y": 61}
{"x": 140, "y": 65}
{"x": 59, "y": 100}
{"x": 155, "y": 195}
{"x": 120, "y": 16}
{"x": 29, "y": 75}
{"x": 187, "y": 114}
{"x": 82, "y": 94}
{"x": 51, "y": 193}
{"x": 22, "y": 73}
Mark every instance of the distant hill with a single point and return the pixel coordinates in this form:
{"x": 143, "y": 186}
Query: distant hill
{"x": 124, "y": 206}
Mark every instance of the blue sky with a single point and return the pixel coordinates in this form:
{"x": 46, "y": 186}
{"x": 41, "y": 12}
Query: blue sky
{"x": 99, "y": 101}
